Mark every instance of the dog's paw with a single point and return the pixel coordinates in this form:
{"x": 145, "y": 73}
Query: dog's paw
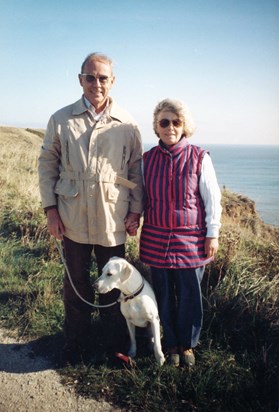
{"x": 160, "y": 359}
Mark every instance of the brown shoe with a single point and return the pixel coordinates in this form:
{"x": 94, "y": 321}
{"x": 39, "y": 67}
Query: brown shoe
{"x": 173, "y": 356}
{"x": 187, "y": 358}
{"x": 173, "y": 359}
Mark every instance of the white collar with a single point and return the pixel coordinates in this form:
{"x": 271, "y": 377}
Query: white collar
{"x": 91, "y": 108}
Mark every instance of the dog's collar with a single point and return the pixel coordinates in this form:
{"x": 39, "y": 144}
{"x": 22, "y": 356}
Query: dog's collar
{"x": 134, "y": 294}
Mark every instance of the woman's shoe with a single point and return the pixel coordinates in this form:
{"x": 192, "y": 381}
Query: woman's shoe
{"x": 187, "y": 358}
{"x": 173, "y": 359}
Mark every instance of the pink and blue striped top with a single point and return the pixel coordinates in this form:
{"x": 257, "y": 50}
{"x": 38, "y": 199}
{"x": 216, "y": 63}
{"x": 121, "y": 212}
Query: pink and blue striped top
{"x": 174, "y": 227}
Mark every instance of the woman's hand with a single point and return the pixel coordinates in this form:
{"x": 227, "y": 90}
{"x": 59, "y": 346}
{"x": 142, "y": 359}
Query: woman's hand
{"x": 132, "y": 223}
{"x": 211, "y": 245}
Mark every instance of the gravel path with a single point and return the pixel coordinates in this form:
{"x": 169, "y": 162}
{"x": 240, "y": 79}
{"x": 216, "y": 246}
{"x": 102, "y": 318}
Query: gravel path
{"x": 29, "y": 383}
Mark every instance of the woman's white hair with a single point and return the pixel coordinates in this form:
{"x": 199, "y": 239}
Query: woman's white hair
{"x": 180, "y": 109}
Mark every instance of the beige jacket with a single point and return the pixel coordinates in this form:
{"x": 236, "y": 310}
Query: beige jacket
{"x": 92, "y": 171}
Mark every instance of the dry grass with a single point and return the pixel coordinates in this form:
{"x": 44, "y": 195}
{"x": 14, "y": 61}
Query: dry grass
{"x": 18, "y": 166}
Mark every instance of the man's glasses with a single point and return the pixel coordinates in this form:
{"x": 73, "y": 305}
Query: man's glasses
{"x": 166, "y": 122}
{"x": 90, "y": 78}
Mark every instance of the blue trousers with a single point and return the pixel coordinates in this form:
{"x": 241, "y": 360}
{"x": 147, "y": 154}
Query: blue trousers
{"x": 179, "y": 299}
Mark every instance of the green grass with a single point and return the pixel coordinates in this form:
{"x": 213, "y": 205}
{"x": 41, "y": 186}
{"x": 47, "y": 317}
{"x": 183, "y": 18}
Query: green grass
{"x": 238, "y": 355}
{"x": 148, "y": 387}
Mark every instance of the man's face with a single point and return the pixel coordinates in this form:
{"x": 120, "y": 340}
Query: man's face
{"x": 96, "y": 89}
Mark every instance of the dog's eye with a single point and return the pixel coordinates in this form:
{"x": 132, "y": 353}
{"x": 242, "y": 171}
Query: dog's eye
{"x": 109, "y": 274}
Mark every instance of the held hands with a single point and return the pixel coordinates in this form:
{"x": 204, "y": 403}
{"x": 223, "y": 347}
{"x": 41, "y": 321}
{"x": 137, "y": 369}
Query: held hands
{"x": 211, "y": 245}
{"x": 54, "y": 224}
{"x": 132, "y": 223}
{"x": 57, "y": 229}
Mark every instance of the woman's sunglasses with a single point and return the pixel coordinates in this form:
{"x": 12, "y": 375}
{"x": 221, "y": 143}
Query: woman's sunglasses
{"x": 166, "y": 122}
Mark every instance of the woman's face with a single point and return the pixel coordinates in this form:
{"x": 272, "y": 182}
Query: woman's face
{"x": 169, "y": 127}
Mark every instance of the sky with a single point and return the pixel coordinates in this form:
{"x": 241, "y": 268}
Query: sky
{"x": 221, "y": 57}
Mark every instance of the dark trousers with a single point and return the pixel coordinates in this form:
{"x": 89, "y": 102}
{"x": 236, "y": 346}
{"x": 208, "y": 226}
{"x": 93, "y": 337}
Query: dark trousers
{"x": 179, "y": 298}
{"x": 77, "y": 322}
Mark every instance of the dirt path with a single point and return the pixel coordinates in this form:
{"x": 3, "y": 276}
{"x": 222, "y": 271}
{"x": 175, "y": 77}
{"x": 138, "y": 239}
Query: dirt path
{"x": 29, "y": 383}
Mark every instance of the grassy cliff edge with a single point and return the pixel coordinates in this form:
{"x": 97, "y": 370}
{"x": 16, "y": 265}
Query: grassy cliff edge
{"x": 237, "y": 359}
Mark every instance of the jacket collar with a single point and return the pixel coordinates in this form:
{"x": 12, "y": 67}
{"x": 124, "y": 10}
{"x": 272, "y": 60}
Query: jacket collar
{"x": 114, "y": 110}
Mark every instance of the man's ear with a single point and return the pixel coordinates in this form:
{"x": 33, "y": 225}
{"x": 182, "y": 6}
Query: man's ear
{"x": 80, "y": 80}
{"x": 112, "y": 81}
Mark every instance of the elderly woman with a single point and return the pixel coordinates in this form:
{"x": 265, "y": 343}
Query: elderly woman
{"x": 181, "y": 227}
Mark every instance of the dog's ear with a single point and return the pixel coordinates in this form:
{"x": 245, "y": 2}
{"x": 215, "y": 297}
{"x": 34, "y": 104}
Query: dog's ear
{"x": 127, "y": 271}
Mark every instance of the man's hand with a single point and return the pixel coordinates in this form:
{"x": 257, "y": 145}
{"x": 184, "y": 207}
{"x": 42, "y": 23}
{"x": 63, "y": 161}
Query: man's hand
{"x": 211, "y": 245}
{"x": 54, "y": 224}
{"x": 132, "y": 223}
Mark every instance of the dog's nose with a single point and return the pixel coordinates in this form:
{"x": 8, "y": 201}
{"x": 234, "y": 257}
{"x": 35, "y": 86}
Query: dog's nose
{"x": 95, "y": 285}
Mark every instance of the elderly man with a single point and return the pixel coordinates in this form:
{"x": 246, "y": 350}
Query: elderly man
{"x": 91, "y": 190}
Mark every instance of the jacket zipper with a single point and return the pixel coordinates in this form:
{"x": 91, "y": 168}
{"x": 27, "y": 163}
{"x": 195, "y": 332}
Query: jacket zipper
{"x": 123, "y": 157}
{"x": 67, "y": 153}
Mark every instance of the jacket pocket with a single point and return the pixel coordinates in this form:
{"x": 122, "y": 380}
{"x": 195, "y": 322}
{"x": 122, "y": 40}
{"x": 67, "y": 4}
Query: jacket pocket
{"x": 115, "y": 193}
{"x": 66, "y": 188}
{"x": 116, "y": 206}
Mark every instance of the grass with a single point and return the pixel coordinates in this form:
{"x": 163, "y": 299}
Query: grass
{"x": 147, "y": 387}
{"x": 238, "y": 356}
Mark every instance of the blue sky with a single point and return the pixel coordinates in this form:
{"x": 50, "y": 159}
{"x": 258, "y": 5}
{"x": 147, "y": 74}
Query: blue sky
{"x": 221, "y": 57}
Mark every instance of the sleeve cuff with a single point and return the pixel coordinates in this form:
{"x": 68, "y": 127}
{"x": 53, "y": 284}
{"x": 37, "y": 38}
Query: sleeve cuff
{"x": 49, "y": 208}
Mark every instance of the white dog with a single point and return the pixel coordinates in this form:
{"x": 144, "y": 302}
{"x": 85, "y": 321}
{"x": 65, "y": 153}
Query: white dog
{"x": 137, "y": 301}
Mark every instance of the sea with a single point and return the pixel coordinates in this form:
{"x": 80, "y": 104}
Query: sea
{"x": 250, "y": 170}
